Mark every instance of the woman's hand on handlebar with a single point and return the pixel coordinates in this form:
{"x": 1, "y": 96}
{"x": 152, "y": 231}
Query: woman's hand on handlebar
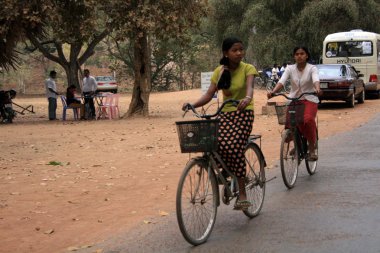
{"x": 186, "y": 106}
{"x": 318, "y": 91}
{"x": 244, "y": 103}
{"x": 269, "y": 94}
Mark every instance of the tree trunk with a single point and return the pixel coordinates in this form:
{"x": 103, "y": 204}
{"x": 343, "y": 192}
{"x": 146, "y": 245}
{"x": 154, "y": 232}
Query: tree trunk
{"x": 71, "y": 70}
{"x": 142, "y": 87}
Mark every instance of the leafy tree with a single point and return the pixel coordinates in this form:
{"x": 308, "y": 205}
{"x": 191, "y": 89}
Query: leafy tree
{"x": 143, "y": 21}
{"x": 273, "y": 27}
{"x": 320, "y": 18}
{"x": 17, "y": 17}
{"x": 77, "y": 24}
{"x": 49, "y": 26}
{"x": 173, "y": 65}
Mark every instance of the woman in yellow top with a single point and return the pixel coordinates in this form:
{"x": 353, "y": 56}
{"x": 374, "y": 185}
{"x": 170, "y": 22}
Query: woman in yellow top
{"x": 235, "y": 78}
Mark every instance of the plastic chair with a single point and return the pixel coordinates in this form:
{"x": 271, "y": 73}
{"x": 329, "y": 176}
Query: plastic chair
{"x": 115, "y": 106}
{"x": 65, "y": 107}
{"x": 105, "y": 107}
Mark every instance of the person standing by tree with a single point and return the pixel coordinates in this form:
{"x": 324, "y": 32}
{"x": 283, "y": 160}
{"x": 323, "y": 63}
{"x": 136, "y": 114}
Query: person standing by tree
{"x": 89, "y": 88}
{"x": 51, "y": 94}
{"x": 235, "y": 78}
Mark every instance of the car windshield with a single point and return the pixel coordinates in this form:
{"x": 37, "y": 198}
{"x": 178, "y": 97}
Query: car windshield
{"x": 104, "y": 78}
{"x": 332, "y": 71}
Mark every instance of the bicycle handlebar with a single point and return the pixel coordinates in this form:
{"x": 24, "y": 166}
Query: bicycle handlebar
{"x": 209, "y": 116}
{"x": 296, "y": 98}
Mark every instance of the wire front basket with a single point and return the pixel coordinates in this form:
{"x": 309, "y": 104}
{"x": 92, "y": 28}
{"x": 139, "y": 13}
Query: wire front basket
{"x": 198, "y": 135}
{"x": 283, "y": 113}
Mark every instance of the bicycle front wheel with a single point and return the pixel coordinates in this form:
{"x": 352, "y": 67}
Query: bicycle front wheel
{"x": 289, "y": 159}
{"x": 196, "y": 202}
{"x": 311, "y": 166}
{"x": 255, "y": 179}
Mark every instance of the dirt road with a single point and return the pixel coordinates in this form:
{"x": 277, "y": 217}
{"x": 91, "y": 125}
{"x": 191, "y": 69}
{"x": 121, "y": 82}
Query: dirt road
{"x": 67, "y": 185}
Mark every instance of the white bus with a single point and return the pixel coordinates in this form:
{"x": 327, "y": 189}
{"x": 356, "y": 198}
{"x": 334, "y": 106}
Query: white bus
{"x": 361, "y": 50}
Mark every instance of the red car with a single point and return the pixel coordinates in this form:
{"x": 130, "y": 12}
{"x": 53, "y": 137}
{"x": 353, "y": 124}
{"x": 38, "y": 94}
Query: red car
{"x": 341, "y": 82}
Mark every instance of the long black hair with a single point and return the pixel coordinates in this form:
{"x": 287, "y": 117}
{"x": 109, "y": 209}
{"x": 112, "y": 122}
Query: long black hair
{"x": 225, "y": 80}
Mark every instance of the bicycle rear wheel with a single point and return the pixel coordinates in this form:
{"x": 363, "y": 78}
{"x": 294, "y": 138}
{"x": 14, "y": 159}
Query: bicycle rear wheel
{"x": 196, "y": 202}
{"x": 259, "y": 82}
{"x": 311, "y": 166}
{"x": 289, "y": 159}
{"x": 255, "y": 180}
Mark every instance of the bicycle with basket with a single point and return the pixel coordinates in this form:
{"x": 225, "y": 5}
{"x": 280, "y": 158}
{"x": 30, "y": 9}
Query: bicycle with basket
{"x": 294, "y": 146}
{"x": 198, "y": 195}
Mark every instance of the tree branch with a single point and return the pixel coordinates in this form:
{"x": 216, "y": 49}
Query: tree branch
{"x": 61, "y": 55}
{"x": 90, "y": 49}
{"x": 43, "y": 50}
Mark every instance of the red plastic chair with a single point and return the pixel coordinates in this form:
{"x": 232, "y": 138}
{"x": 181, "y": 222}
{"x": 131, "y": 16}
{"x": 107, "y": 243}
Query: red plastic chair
{"x": 105, "y": 107}
{"x": 115, "y": 106}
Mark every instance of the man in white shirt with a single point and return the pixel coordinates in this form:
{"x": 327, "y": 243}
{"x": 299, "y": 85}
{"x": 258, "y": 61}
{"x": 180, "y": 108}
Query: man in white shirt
{"x": 51, "y": 94}
{"x": 275, "y": 71}
{"x": 89, "y": 88}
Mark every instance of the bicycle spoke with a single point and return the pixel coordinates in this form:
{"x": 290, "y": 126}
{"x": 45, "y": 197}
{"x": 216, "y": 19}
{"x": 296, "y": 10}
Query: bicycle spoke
{"x": 255, "y": 180}
{"x": 196, "y": 202}
{"x": 288, "y": 159}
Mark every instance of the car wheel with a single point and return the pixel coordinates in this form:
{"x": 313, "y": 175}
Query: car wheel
{"x": 361, "y": 97}
{"x": 351, "y": 101}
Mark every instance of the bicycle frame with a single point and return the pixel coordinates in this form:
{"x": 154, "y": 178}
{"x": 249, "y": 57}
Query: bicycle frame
{"x": 217, "y": 173}
{"x": 299, "y": 140}
{"x": 197, "y": 217}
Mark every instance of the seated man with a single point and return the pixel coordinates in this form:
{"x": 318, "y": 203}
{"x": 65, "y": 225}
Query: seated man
{"x": 6, "y": 110}
{"x": 74, "y": 102}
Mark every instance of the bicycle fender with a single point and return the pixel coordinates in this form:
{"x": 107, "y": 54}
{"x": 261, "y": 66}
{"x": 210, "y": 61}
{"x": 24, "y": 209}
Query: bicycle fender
{"x": 261, "y": 153}
{"x": 217, "y": 186}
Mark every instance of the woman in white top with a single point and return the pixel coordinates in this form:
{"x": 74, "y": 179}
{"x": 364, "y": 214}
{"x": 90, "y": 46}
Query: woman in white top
{"x": 304, "y": 78}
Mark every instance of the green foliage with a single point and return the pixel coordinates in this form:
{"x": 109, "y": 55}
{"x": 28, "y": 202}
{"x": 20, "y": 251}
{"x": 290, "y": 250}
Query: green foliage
{"x": 182, "y": 40}
{"x": 76, "y": 21}
{"x": 165, "y": 18}
{"x": 16, "y": 17}
{"x": 271, "y": 28}
{"x": 320, "y": 18}
{"x": 55, "y": 163}
{"x": 369, "y": 15}
{"x": 167, "y": 25}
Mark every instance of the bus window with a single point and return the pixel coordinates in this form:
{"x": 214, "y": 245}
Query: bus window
{"x": 349, "y": 49}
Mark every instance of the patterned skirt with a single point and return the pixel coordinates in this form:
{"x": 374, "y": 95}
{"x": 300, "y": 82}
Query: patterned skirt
{"x": 234, "y": 130}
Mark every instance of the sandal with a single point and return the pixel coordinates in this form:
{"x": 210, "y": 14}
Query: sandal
{"x": 242, "y": 205}
{"x": 312, "y": 157}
